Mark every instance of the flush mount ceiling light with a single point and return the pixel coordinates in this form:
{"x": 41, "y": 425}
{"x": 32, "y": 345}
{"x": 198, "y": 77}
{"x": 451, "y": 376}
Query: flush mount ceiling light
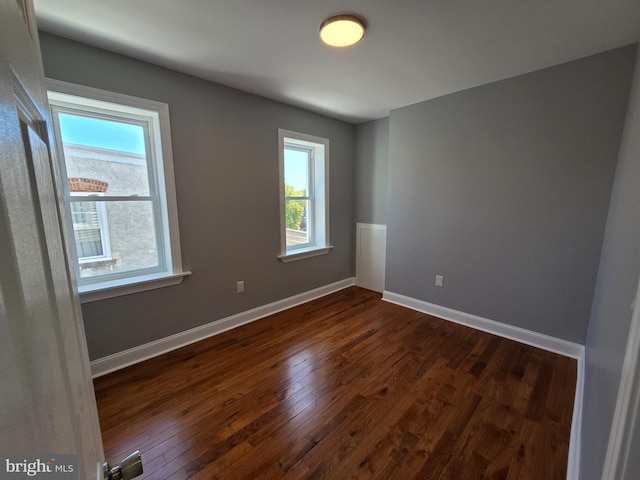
{"x": 342, "y": 30}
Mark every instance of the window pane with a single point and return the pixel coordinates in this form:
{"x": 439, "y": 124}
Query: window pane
{"x": 296, "y": 218}
{"x": 128, "y": 238}
{"x": 296, "y": 172}
{"x": 112, "y": 152}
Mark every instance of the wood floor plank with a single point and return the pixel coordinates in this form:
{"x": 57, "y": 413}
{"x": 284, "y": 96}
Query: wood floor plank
{"x": 345, "y": 386}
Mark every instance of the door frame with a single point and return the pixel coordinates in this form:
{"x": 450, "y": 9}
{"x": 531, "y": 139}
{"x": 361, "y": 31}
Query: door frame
{"x": 628, "y": 403}
{"x": 48, "y": 399}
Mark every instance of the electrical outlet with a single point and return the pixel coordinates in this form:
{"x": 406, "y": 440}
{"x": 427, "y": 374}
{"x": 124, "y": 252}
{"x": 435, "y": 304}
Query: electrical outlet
{"x": 240, "y": 286}
{"x": 439, "y": 281}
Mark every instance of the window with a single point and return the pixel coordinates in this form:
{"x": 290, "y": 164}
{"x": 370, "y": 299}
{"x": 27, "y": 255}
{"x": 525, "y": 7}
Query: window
{"x": 304, "y": 195}
{"x": 91, "y": 232}
{"x": 89, "y": 218}
{"x": 117, "y": 169}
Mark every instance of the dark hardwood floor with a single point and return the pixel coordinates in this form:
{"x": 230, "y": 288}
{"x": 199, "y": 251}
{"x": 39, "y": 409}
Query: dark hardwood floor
{"x": 347, "y": 386}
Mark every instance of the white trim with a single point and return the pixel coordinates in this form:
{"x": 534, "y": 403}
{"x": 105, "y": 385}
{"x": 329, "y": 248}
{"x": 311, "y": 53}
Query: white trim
{"x": 627, "y": 404}
{"x": 99, "y": 95}
{"x": 372, "y": 226}
{"x": 528, "y": 337}
{"x": 304, "y": 253}
{"x": 155, "y": 117}
{"x": 114, "y": 362}
{"x": 318, "y": 218}
{"x": 575, "y": 446}
{"x": 127, "y": 286}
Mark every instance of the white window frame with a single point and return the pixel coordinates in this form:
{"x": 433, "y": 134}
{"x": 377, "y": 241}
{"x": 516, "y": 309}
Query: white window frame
{"x": 162, "y": 186}
{"x": 318, "y": 214}
{"x": 310, "y": 196}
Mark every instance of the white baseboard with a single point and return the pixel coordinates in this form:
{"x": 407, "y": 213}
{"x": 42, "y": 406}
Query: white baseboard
{"x": 573, "y": 466}
{"x": 535, "y": 339}
{"x": 528, "y": 337}
{"x": 123, "y": 359}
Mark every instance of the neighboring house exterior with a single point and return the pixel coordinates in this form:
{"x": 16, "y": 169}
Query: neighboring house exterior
{"x": 111, "y": 236}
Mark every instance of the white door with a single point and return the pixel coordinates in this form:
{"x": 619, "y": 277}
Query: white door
{"x": 371, "y": 246}
{"x": 47, "y": 403}
{"x": 621, "y": 462}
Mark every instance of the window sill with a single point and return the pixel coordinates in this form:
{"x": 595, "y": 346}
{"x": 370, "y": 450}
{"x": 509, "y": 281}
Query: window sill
{"x": 304, "y": 253}
{"x": 98, "y": 263}
{"x": 117, "y": 288}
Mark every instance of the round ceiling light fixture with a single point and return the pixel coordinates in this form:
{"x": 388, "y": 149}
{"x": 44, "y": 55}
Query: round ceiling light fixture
{"x": 342, "y": 30}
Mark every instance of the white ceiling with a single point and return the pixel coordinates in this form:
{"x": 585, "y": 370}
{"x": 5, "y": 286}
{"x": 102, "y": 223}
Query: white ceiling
{"x": 414, "y": 50}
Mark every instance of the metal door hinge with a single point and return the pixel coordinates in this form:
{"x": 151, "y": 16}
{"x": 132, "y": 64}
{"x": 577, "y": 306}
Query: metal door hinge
{"x": 130, "y": 467}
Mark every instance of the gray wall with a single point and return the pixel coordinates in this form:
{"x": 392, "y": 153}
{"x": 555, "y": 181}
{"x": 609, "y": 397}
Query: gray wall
{"x": 615, "y": 291}
{"x": 504, "y": 190}
{"x": 372, "y": 158}
{"x": 226, "y": 167}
